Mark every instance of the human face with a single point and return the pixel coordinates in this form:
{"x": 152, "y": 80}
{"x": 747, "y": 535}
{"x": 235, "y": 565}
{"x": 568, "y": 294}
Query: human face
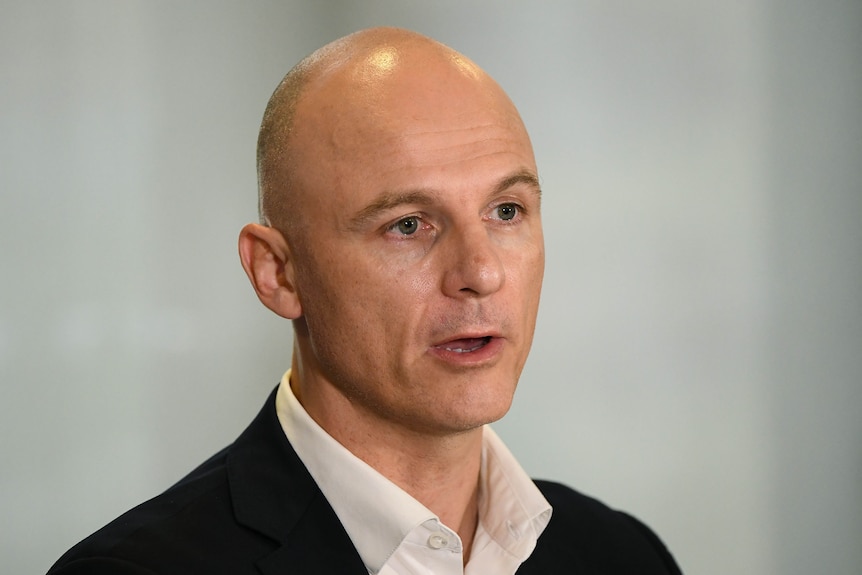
{"x": 418, "y": 256}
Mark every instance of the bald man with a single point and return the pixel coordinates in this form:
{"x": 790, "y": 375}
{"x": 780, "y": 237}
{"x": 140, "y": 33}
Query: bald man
{"x": 401, "y": 234}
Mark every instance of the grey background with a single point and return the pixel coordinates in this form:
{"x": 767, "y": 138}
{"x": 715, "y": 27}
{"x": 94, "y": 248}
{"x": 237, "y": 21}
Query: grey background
{"x": 698, "y": 359}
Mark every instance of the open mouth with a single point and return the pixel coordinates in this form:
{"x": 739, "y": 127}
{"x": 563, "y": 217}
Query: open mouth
{"x": 466, "y": 345}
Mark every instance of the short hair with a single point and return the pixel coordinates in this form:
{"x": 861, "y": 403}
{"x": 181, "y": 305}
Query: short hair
{"x": 274, "y": 164}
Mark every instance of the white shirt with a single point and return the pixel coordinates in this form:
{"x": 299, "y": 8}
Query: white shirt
{"x": 394, "y": 533}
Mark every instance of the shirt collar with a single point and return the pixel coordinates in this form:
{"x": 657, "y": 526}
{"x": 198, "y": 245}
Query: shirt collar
{"x": 378, "y": 515}
{"x": 512, "y": 510}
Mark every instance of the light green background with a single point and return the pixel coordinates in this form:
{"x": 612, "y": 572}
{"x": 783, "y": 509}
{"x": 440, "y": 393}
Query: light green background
{"x": 698, "y": 359}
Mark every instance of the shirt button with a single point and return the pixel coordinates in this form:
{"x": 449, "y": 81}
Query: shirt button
{"x": 438, "y": 540}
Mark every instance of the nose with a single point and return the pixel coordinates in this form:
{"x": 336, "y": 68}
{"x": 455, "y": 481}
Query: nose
{"x": 474, "y": 266}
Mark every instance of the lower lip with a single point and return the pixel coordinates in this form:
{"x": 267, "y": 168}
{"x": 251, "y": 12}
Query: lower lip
{"x": 479, "y": 356}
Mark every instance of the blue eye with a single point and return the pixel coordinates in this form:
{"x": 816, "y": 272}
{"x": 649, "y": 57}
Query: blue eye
{"x": 407, "y": 226}
{"x": 507, "y": 211}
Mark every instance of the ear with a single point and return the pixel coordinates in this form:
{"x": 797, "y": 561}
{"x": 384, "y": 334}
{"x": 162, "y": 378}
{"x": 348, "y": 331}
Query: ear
{"x": 268, "y": 264}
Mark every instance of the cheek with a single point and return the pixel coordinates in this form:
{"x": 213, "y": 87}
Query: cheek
{"x": 536, "y": 262}
{"x": 367, "y": 294}
{"x": 526, "y": 267}
{"x": 420, "y": 284}
{"x": 328, "y": 291}
{"x": 526, "y": 274}
{"x": 402, "y": 278}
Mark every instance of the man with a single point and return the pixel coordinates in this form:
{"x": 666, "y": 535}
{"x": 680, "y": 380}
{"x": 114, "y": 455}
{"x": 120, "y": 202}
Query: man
{"x": 401, "y": 235}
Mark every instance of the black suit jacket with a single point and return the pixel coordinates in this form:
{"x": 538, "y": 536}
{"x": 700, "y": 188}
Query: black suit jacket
{"x": 253, "y": 508}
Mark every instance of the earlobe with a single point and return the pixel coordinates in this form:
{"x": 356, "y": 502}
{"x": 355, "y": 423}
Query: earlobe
{"x": 267, "y": 262}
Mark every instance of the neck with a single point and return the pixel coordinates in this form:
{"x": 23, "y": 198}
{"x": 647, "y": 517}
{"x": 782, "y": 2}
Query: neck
{"x": 440, "y": 470}
{"x": 441, "y": 473}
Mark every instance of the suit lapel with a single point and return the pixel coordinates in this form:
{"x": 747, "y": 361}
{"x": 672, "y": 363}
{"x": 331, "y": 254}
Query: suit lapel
{"x": 318, "y": 544}
{"x": 274, "y": 494}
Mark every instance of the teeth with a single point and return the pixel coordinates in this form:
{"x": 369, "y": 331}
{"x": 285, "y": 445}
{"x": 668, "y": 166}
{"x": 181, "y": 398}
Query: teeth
{"x": 481, "y": 343}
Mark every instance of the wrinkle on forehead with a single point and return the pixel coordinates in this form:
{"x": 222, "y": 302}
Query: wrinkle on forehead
{"x": 421, "y": 144}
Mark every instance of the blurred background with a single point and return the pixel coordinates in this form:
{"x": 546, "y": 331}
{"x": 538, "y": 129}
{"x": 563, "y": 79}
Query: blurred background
{"x": 698, "y": 358}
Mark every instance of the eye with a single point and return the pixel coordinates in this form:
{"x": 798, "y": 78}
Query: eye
{"x": 507, "y": 212}
{"x": 406, "y": 226}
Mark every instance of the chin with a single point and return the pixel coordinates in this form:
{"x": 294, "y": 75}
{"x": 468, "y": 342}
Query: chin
{"x": 472, "y": 414}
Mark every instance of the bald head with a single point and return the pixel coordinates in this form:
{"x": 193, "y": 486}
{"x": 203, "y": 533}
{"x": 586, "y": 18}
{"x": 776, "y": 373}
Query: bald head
{"x": 345, "y": 95}
{"x": 404, "y": 235}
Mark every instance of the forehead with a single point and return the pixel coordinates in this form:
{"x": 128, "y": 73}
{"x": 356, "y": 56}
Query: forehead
{"x": 396, "y": 120}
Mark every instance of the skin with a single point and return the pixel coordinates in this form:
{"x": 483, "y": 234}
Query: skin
{"x": 407, "y": 250}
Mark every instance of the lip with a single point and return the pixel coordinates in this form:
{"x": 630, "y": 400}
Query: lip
{"x": 468, "y": 349}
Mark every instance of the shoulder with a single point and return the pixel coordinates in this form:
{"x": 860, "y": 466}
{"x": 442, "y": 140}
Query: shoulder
{"x": 190, "y": 522}
{"x": 584, "y": 531}
{"x": 100, "y": 566}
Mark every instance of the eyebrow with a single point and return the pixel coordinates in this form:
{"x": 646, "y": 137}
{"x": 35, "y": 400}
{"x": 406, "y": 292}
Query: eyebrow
{"x": 424, "y": 197}
{"x": 387, "y": 201}
{"x": 522, "y": 177}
